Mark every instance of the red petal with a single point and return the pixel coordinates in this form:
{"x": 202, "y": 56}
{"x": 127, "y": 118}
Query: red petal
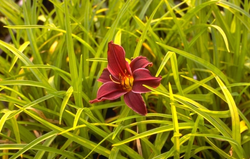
{"x": 135, "y": 102}
{"x": 139, "y": 62}
{"x": 116, "y": 60}
{"x": 108, "y": 91}
{"x": 104, "y": 76}
{"x": 143, "y": 76}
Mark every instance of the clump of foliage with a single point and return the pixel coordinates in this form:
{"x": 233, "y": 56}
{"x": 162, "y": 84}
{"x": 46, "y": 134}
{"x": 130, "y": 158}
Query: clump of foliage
{"x": 53, "y": 54}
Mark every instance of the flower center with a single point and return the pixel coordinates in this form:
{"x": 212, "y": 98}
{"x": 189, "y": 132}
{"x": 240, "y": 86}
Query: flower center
{"x": 127, "y": 82}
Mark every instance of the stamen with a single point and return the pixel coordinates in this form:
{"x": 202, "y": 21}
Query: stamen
{"x": 131, "y": 82}
{"x": 110, "y": 76}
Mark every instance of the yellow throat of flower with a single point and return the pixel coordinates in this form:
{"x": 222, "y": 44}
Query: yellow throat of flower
{"x": 125, "y": 81}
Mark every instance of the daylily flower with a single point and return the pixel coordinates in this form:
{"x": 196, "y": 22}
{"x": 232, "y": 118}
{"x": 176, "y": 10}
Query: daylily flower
{"x": 121, "y": 78}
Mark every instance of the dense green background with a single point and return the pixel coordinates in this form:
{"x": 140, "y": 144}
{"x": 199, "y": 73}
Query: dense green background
{"x": 56, "y": 52}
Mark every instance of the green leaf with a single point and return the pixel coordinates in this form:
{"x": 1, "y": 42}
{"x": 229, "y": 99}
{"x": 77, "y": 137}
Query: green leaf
{"x": 64, "y": 102}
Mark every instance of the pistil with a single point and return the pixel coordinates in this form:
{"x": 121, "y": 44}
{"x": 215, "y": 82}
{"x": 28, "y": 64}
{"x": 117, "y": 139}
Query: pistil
{"x": 110, "y": 76}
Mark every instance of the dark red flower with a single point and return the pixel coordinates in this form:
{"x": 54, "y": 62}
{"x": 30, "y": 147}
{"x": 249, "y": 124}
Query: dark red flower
{"x": 121, "y": 78}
